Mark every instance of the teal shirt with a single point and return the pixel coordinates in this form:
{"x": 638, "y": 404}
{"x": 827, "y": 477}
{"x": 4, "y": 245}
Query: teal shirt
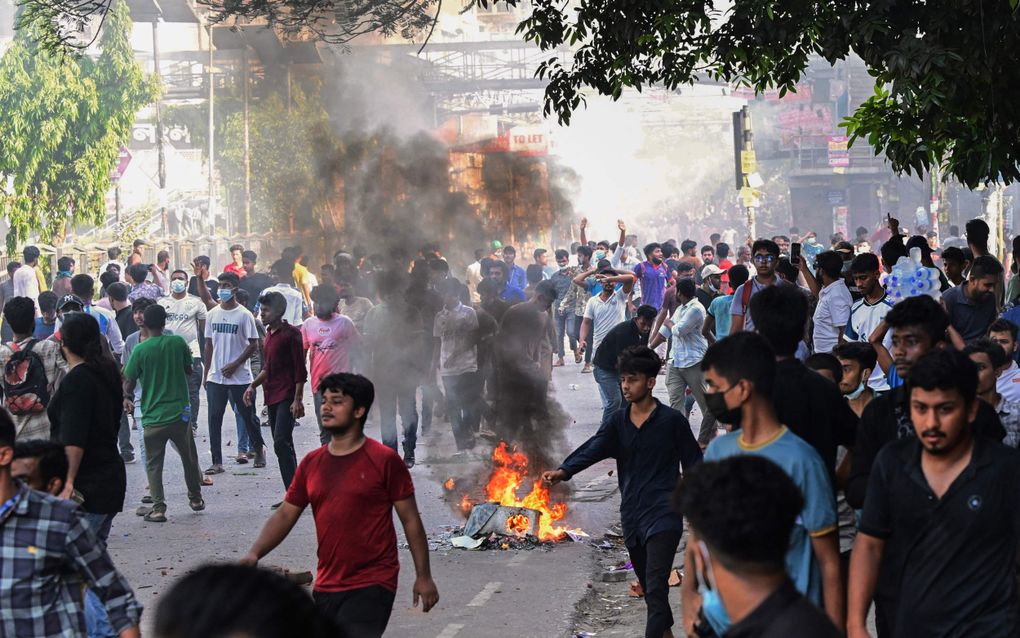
{"x": 801, "y": 463}
{"x": 720, "y": 309}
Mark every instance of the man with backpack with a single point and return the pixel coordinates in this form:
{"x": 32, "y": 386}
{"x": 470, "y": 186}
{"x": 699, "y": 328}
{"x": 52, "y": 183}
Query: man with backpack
{"x": 31, "y": 370}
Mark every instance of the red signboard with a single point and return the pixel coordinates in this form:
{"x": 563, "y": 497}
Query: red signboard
{"x": 122, "y": 164}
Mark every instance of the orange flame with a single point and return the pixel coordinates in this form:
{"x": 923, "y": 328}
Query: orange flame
{"x": 518, "y": 524}
{"x": 449, "y": 484}
{"x": 465, "y": 505}
{"x": 509, "y": 468}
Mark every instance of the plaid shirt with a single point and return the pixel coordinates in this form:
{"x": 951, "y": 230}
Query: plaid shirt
{"x": 47, "y": 554}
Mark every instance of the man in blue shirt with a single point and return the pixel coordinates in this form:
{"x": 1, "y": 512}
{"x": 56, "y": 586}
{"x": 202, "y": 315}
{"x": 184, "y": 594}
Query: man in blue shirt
{"x": 651, "y": 443}
{"x": 739, "y": 373}
{"x": 498, "y": 273}
{"x": 516, "y": 276}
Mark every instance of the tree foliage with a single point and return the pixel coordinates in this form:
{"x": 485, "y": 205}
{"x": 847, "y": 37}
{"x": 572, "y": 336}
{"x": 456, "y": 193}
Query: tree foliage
{"x": 63, "y": 120}
{"x": 944, "y": 70}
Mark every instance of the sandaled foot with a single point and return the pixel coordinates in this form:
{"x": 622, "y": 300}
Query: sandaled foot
{"x": 241, "y": 459}
{"x": 156, "y": 516}
{"x": 214, "y": 469}
{"x": 206, "y": 481}
{"x": 197, "y": 504}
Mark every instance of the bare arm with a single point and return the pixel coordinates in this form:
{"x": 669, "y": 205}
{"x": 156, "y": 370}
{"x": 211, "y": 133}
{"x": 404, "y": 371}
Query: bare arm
{"x": 584, "y": 226}
{"x": 622, "y": 225}
{"x": 875, "y": 339}
{"x": 864, "y": 565}
{"x": 203, "y": 290}
{"x": 956, "y": 338}
{"x": 74, "y": 456}
{"x": 579, "y": 279}
{"x": 207, "y": 353}
{"x": 582, "y": 339}
{"x": 826, "y": 550}
{"x": 736, "y": 324}
{"x": 809, "y": 278}
{"x": 709, "y": 329}
{"x": 273, "y": 532}
{"x": 424, "y": 587}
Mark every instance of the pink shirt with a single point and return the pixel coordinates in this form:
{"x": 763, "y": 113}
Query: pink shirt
{"x": 329, "y": 344}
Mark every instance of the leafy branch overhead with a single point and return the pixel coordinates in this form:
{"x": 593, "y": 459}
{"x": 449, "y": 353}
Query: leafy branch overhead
{"x": 63, "y": 120}
{"x": 944, "y": 71}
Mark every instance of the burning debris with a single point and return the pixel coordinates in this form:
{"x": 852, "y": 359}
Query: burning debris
{"x": 504, "y": 519}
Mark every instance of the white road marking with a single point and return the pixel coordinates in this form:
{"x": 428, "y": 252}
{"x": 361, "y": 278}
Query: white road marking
{"x": 483, "y": 596}
{"x": 450, "y": 631}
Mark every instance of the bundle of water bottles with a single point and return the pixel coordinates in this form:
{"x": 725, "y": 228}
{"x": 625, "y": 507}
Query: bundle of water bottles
{"x": 910, "y": 278}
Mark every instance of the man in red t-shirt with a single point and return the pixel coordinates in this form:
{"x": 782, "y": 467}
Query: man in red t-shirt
{"x": 356, "y": 578}
{"x": 236, "y": 264}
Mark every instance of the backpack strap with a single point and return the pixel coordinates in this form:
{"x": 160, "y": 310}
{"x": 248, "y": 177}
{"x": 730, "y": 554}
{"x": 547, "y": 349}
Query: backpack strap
{"x": 746, "y": 295}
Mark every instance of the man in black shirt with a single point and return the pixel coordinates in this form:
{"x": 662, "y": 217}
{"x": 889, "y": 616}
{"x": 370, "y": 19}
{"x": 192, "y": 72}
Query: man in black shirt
{"x": 622, "y": 336}
{"x": 810, "y": 405}
{"x": 741, "y": 512}
{"x": 938, "y": 536}
{"x": 918, "y": 326}
{"x": 651, "y": 442}
{"x": 254, "y": 282}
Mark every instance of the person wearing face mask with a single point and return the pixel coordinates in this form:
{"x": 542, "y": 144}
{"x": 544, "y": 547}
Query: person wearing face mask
{"x": 652, "y": 444}
{"x": 739, "y": 374}
{"x": 231, "y": 338}
{"x": 185, "y": 317}
{"x": 972, "y": 307}
{"x": 858, "y": 360}
{"x": 741, "y": 512}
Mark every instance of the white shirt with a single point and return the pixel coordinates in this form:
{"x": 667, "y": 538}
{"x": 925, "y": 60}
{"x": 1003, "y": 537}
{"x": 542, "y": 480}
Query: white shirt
{"x": 1008, "y": 384}
{"x": 605, "y": 314}
{"x": 474, "y": 277}
{"x": 456, "y": 330}
{"x": 26, "y": 284}
{"x": 295, "y": 314}
{"x": 182, "y": 317}
{"x": 230, "y": 331}
{"x": 689, "y": 344}
{"x": 831, "y": 314}
{"x": 864, "y": 318}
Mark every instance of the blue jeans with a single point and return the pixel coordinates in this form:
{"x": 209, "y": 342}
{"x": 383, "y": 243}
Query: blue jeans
{"x": 395, "y": 396}
{"x": 243, "y": 443}
{"x": 97, "y": 622}
{"x": 217, "y": 396}
{"x": 609, "y": 390}
{"x": 565, "y": 327}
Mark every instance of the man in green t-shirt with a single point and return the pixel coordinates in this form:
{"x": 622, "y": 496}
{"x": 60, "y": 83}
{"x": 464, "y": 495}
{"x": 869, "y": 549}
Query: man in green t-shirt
{"x": 162, "y": 363}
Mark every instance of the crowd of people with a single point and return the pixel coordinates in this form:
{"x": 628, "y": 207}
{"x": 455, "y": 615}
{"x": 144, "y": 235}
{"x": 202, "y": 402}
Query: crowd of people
{"x": 851, "y": 451}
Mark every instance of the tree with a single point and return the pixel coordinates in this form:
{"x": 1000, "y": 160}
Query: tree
{"x": 945, "y": 89}
{"x": 63, "y": 120}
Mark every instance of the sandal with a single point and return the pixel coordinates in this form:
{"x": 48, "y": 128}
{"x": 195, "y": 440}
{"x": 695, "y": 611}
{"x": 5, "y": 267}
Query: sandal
{"x": 147, "y": 499}
{"x": 214, "y": 469}
{"x": 197, "y": 505}
{"x": 241, "y": 459}
{"x": 206, "y": 481}
{"x": 156, "y": 516}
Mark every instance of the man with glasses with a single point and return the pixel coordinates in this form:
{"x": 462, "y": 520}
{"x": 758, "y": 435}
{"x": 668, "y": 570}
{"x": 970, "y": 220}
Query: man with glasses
{"x": 765, "y": 258}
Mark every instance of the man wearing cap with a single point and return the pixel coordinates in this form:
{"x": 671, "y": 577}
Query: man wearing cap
{"x": 711, "y": 284}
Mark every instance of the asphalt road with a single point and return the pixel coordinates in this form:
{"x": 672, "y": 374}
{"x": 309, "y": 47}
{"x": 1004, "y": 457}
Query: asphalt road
{"x": 531, "y": 593}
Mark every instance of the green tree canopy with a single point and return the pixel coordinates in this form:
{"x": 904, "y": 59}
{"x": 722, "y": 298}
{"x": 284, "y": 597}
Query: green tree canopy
{"x": 63, "y": 120}
{"x": 944, "y": 71}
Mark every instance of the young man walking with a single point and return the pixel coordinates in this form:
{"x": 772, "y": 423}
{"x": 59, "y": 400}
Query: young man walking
{"x": 937, "y": 544}
{"x": 739, "y": 374}
{"x": 652, "y": 444}
{"x": 456, "y": 361}
{"x": 231, "y": 338}
{"x": 162, "y": 363}
{"x": 185, "y": 317}
{"x": 283, "y": 375}
{"x": 26, "y": 394}
{"x": 356, "y": 578}
{"x": 329, "y": 338}
{"x": 765, "y": 259}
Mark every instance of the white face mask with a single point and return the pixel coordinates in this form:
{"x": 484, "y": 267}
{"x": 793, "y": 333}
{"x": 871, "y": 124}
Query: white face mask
{"x": 865, "y": 375}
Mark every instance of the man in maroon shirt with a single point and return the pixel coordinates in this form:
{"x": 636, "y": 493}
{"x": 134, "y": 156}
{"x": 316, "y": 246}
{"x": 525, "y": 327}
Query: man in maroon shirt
{"x": 353, "y": 484}
{"x": 284, "y": 375}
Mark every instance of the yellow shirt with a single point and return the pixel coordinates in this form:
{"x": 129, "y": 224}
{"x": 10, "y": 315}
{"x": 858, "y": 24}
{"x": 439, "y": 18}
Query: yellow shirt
{"x": 302, "y": 277}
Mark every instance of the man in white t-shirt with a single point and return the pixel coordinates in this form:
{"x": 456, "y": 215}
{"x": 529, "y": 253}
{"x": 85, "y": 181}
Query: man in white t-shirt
{"x": 833, "y": 308}
{"x": 185, "y": 317}
{"x": 602, "y": 313}
{"x": 869, "y": 311}
{"x": 231, "y": 338}
{"x": 1004, "y": 333}
{"x": 26, "y": 281}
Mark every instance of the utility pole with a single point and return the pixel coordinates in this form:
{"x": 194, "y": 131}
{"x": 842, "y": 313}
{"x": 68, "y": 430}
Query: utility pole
{"x": 744, "y": 164}
{"x": 212, "y": 136}
{"x": 247, "y": 150}
{"x": 160, "y": 154}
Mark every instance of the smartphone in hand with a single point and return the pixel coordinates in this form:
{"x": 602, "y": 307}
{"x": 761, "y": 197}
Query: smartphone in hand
{"x": 795, "y": 254}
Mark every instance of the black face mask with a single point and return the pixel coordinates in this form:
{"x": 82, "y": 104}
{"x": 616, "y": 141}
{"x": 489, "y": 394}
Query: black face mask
{"x": 716, "y": 404}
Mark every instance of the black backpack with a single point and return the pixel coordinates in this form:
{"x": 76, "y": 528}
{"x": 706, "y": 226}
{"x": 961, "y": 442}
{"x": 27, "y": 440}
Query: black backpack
{"x": 26, "y": 389}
